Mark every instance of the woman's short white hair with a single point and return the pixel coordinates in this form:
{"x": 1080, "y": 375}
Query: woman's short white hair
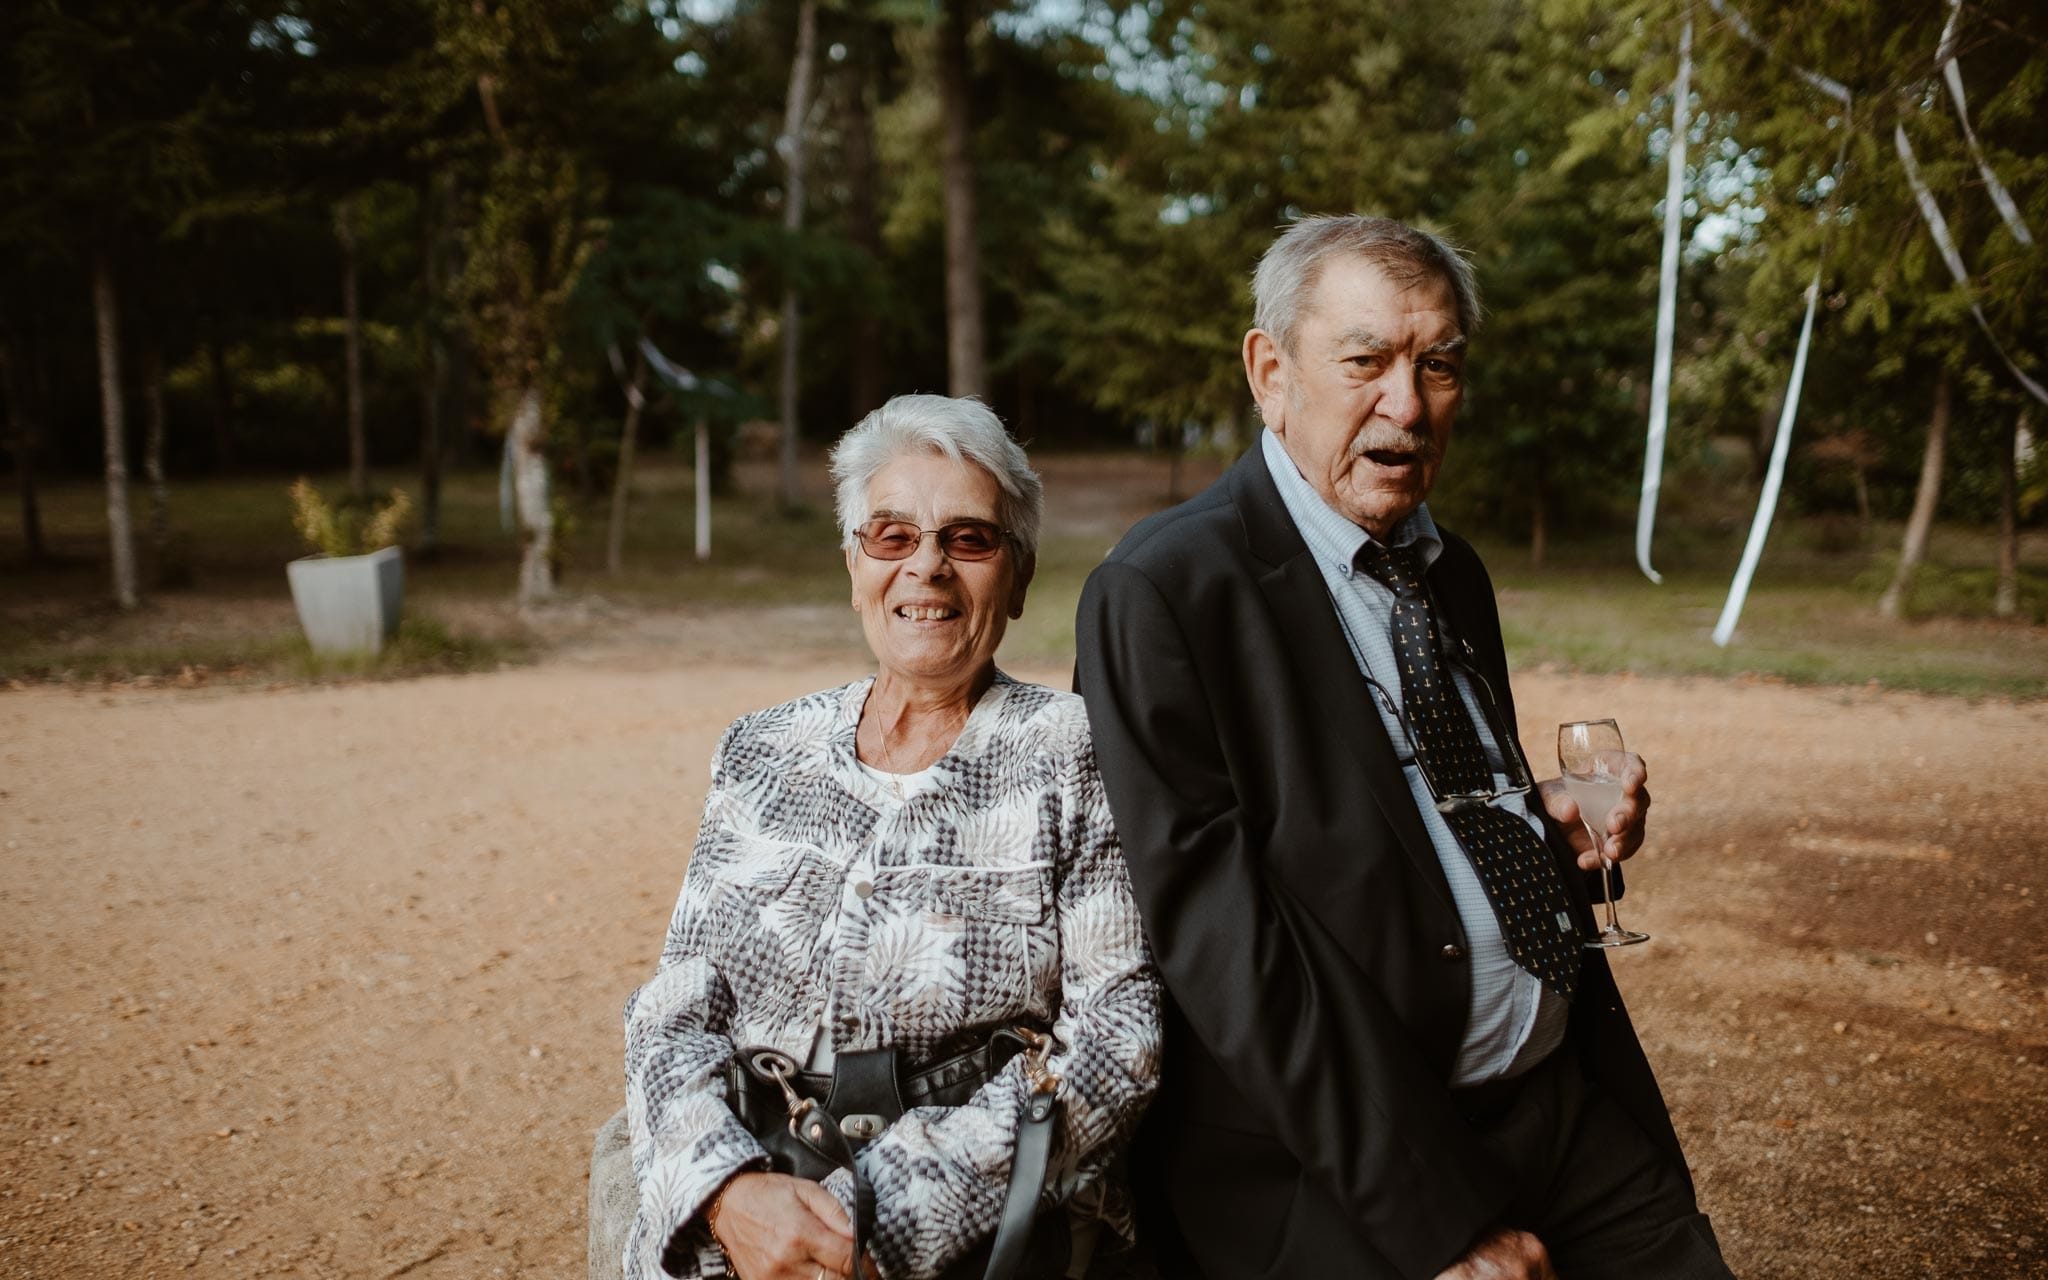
{"x": 963, "y": 429}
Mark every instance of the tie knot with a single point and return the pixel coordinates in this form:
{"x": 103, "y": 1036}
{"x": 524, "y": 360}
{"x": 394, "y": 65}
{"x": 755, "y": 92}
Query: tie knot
{"x": 1398, "y": 569}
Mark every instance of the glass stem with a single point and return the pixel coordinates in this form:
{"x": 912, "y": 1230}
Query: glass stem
{"x": 1606, "y": 875}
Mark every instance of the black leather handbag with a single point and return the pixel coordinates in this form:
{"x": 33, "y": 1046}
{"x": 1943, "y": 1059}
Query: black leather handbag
{"x": 811, "y": 1124}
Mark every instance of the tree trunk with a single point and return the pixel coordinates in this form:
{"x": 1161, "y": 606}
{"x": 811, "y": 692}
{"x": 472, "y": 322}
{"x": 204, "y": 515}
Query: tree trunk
{"x": 153, "y": 455}
{"x": 2005, "y": 602}
{"x": 966, "y": 354}
{"x": 527, "y": 444}
{"x": 222, "y": 389}
{"x": 1921, "y": 522}
{"x": 865, "y": 385}
{"x": 622, "y": 483}
{"x": 433, "y": 376}
{"x": 114, "y": 425}
{"x": 1539, "y": 511}
{"x": 358, "y": 448}
{"x": 22, "y": 435}
{"x": 791, "y": 144}
{"x": 702, "y": 476}
{"x": 433, "y": 359}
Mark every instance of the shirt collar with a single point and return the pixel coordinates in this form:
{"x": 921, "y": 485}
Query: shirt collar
{"x": 1332, "y": 538}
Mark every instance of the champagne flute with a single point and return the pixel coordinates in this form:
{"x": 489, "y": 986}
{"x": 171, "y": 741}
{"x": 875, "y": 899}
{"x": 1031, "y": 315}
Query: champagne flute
{"x": 1592, "y": 759}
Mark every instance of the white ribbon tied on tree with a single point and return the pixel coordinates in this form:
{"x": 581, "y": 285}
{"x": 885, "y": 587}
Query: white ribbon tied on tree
{"x": 1945, "y": 58}
{"x": 1767, "y": 501}
{"x": 1937, "y": 226}
{"x": 1667, "y": 309}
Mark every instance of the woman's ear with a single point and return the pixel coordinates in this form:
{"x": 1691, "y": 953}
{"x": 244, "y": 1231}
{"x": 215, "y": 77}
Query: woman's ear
{"x": 1022, "y": 585}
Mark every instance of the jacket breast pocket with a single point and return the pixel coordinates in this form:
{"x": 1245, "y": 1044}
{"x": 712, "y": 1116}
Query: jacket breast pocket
{"x": 996, "y": 895}
{"x": 997, "y": 926}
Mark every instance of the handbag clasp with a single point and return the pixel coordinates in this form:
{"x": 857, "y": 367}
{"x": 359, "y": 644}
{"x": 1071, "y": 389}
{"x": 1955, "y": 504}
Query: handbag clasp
{"x": 1042, "y": 1044}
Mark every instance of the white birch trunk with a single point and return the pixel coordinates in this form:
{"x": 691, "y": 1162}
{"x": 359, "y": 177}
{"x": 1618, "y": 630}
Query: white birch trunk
{"x": 703, "y": 490}
{"x": 791, "y": 145}
{"x": 1921, "y": 522}
{"x": 2005, "y": 602}
{"x": 527, "y": 438}
{"x": 114, "y": 422}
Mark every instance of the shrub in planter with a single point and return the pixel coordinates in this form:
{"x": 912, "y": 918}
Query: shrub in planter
{"x": 349, "y": 591}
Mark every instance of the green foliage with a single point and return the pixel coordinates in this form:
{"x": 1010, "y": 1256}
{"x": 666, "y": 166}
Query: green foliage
{"x": 352, "y": 529}
{"x": 535, "y": 183}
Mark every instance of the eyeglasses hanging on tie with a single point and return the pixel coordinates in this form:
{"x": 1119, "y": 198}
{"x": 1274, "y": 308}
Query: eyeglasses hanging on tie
{"x": 1514, "y": 765}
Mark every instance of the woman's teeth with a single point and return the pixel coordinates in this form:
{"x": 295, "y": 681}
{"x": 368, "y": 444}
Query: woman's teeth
{"x": 925, "y": 613}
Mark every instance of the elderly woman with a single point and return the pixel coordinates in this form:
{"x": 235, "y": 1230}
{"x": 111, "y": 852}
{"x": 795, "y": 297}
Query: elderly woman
{"x": 908, "y": 874}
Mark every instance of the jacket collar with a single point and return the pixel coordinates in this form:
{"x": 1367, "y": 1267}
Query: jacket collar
{"x": 1298, "y": 595}
{"x": 1269, "y": 531}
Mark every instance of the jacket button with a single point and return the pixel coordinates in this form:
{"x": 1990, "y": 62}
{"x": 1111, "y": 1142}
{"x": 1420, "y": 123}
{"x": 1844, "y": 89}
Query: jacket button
{"x": 1452, "y": 951}
{"x": 863, "y": 889}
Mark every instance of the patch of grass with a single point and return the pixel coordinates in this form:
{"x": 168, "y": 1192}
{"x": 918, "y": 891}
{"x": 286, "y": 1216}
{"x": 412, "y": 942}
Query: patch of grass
{"x": 423, "y": 646}
{"x": 1809, "y": 620}
{"x": 159, "y": 655}
{"x": 1811, "y": 615}
{"x": 190, "y": 661}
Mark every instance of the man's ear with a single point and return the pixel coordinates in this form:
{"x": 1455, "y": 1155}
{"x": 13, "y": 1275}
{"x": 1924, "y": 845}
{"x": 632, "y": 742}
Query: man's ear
{"x": 1265, "y": 371}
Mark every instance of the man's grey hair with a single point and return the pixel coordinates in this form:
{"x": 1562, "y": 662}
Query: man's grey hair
{"x": 963, "y": 429}
{"x": 1289, "y": 271}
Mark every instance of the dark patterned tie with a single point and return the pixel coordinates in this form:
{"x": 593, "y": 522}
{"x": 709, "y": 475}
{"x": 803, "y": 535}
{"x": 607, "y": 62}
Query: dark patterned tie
{"x": 1518, "y": 873}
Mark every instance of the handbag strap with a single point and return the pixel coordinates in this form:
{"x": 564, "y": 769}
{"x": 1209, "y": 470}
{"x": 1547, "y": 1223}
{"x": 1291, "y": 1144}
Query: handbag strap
{"x": 1032, "y": 1155}
{"x": 1027, "y": 1180}
{"x": 818, "y": 1129}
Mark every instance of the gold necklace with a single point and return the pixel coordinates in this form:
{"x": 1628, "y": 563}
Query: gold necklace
{"x": 888, "y": 765}
{"x": 888, "y": 760}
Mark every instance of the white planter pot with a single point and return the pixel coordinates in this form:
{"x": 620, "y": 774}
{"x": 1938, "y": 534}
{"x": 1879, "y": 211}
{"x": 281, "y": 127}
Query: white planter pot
{"x": 348, "y": 604}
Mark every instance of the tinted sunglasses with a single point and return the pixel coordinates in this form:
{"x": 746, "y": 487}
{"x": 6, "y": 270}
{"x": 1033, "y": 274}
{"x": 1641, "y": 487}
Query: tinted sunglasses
{"x": 959, "y": 540}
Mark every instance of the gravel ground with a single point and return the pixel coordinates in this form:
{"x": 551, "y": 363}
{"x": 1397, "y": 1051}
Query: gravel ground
{"x": 326, "y": 981}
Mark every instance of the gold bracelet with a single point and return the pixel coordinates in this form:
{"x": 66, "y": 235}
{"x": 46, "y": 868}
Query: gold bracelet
{"x": 711, "y": 1221}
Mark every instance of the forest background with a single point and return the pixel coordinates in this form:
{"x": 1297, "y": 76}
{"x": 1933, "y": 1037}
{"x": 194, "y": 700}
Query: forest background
{"x": 407, "y": 240}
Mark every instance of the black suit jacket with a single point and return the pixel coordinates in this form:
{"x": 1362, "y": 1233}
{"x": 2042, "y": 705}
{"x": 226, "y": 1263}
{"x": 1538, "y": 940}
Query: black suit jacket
{"x": 1299, "y": 915}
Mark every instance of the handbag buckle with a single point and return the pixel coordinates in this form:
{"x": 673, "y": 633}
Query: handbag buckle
{"x": 1042, "y": 1044}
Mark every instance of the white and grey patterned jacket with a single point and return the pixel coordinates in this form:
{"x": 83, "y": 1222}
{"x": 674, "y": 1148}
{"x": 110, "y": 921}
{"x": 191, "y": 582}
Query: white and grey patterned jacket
{"x": 998, "y": 893}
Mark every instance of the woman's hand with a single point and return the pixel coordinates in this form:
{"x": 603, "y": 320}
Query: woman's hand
{"x": 775, "y": 1227}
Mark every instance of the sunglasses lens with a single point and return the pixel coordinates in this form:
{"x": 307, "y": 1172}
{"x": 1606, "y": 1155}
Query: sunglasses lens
{"x": 970, "y": 540}
{"x": 888, "y": 539}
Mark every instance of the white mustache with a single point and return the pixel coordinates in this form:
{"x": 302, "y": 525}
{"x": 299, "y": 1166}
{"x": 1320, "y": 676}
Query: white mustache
{"x": 1394, "y": 440}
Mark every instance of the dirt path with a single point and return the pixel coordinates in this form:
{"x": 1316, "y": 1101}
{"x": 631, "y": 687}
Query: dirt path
{"x": 326, "y": 982}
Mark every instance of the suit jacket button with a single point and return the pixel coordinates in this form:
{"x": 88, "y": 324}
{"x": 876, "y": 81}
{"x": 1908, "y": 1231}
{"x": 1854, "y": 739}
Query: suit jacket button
{"x": 1452, "y": 951}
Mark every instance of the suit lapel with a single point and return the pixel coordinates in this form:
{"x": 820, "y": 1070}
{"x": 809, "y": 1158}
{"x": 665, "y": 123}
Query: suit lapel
{"x": 1300, "y": 599}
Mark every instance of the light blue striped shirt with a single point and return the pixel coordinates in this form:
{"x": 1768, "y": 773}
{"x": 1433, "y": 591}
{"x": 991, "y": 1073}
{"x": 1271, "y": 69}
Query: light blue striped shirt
{"x": 1514, "y": 1023}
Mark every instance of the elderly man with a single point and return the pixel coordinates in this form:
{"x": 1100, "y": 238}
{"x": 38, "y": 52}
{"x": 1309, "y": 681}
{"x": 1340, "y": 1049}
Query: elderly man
{"x": 1388, "y": 1052}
